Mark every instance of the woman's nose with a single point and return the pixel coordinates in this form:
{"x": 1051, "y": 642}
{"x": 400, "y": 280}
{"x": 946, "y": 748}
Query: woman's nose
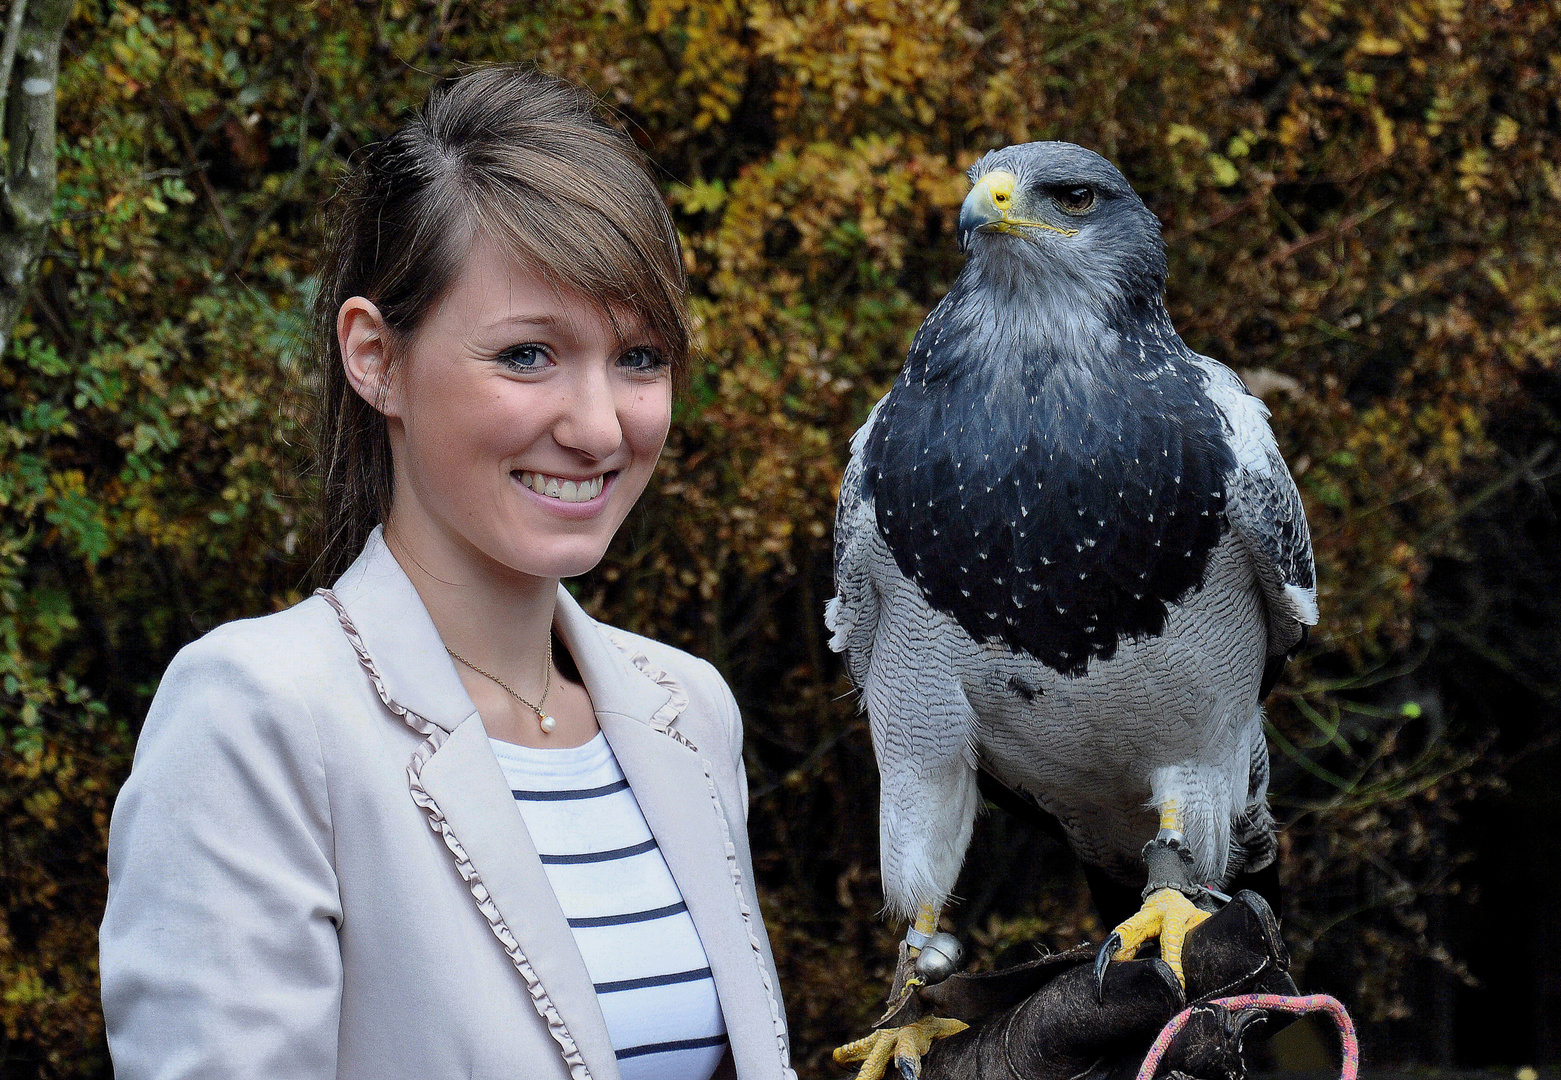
{"x": 588, "y": 417}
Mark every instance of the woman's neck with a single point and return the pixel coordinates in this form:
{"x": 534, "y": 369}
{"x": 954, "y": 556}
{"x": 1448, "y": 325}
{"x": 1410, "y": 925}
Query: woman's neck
{"x": 499, "y": 626}
{"x": 496, "y": 619}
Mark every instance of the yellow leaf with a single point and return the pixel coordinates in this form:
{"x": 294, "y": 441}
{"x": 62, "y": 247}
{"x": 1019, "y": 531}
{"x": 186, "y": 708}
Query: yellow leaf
{"x": 1181, "y": 133}
{"x": 1474, "y": 169}
{"x": 1372, "y": 45}
{"x": 1385, "y": 139}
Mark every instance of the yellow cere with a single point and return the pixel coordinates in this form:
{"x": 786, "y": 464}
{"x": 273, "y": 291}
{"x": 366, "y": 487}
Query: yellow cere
{"x": 999, "y": 185}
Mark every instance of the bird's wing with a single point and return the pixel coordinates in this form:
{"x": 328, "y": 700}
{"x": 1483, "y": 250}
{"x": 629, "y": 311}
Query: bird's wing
{"x": 1265, "y": 512}
{"x": 852, "y": 615}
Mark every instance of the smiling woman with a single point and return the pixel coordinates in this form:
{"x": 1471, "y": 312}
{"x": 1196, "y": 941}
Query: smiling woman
{"x": 435, "y": 820}
{"x": 524, "y": 423}
{"x": 509, "y": 377}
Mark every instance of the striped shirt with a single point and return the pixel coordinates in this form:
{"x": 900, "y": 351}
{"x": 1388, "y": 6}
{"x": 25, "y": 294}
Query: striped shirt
{"x": 629, "y": 920}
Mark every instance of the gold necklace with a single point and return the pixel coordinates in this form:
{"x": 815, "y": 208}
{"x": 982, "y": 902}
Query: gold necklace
{"x": 546, "y": 722}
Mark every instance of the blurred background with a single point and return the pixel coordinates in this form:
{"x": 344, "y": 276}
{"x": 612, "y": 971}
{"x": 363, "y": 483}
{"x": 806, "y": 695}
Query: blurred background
{"x": 1360, "y": 203}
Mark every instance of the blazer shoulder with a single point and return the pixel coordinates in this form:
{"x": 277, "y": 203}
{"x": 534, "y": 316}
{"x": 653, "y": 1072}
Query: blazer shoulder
{"x": 232, "y": 734}
{"x": 277, "y": 672}
{"x": 292, "y": 647}
{"x": 711, "y": 702}
{"x": 683, "y": 665}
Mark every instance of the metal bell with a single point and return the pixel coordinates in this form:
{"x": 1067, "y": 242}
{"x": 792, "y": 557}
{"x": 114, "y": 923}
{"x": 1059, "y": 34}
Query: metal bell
{"x": 939, "y": 958}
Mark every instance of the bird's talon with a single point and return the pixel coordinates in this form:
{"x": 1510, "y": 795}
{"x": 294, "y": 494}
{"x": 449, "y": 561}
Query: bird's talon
{"x": 1102, "y": 960}
{"x": 905, "y": 1046}
{"x": 1166, "y": 915}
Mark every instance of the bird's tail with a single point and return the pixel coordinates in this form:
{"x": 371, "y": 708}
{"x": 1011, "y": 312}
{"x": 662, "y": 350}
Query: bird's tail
{"x": 1252, "y": 841}
{"x": 1253, "y": 845}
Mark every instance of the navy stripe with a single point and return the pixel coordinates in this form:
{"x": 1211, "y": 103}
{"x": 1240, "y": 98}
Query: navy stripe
{"x": 630, "y": 917}
{"x": 599, "y": 856}
{"x": 576, "y": 793}
{"x": 653, "y": 980}
{"x": 666, "y": 1047}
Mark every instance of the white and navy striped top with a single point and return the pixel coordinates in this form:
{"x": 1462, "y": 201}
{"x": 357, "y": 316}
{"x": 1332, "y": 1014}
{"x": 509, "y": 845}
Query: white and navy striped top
{"x": 629, "y": 920}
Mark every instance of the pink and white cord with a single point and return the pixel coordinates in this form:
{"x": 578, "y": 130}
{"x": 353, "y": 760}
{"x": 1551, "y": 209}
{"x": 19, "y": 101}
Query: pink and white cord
{"x": 1309, "y": 1003}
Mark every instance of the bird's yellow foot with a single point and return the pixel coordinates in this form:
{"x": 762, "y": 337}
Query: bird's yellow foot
{"x": 905, "y": 1046}
{"x": 1167, "y": 915}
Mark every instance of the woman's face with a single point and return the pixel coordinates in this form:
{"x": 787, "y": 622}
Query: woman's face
{"x": 523, "y": 428}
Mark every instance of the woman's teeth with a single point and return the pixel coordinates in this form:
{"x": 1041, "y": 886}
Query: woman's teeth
{"x": 570, "y": 491}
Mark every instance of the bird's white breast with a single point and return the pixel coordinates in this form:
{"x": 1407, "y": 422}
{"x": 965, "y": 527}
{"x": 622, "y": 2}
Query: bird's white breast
{"x": 1088, "y": 749}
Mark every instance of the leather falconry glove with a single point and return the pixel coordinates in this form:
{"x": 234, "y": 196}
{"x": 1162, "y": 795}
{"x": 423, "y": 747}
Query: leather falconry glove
{"x": 1043, "y": 1020}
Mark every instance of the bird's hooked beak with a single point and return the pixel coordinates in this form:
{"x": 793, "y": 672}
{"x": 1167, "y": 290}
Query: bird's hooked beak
{"x": 990, "y": 206}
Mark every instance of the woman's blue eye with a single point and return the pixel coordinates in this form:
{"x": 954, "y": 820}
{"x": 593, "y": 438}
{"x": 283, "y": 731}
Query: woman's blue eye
{"x": 525, "y": 357}
{"x": 642, "y": 358}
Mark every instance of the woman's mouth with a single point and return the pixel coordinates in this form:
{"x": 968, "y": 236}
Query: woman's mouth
{"x": 556, "y": 487}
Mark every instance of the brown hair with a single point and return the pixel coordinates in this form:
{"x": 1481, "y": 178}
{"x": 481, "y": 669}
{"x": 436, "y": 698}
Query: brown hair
{"x": 519, "y": 157}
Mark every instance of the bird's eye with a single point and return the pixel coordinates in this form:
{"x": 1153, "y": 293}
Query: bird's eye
{"x": 1079, "y": 200}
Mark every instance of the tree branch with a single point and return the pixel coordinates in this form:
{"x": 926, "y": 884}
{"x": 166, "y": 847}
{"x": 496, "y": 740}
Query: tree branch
{"x": 1338, "y": 228}
{"x": 197, "y": 166}
{"x": 28, "y": 198}
{"x": 238, "y": 255}
{"x": 240, "y": 250}
{"x": 13, "y": 34}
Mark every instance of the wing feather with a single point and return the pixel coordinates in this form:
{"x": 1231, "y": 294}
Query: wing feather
{"x": 1265, "y": 512}
{"x": 852, "y": 614}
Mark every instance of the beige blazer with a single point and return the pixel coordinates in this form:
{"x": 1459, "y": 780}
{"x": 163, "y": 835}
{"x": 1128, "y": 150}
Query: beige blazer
{"x": 316, "y": 868}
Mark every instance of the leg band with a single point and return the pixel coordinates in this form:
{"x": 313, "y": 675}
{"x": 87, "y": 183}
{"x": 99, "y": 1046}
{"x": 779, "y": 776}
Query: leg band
{"x": 1169, "y": 863}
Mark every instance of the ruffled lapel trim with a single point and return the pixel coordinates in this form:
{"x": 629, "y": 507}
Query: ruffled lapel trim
{"x": 677, "y": 698}
{"x": 436, "y": 736}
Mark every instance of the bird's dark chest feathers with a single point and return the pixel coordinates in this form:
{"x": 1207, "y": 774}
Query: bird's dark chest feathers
{"x": 1055, "y": 505}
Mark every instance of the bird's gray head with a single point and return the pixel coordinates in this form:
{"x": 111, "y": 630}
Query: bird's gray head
{"x": 1055, "y": 217}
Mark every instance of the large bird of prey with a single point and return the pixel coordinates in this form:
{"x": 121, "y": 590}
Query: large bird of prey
{"x": 1067, "y": 554}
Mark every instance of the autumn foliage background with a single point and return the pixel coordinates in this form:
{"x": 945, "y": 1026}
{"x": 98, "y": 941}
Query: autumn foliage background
{"x": 1360, "y": 202}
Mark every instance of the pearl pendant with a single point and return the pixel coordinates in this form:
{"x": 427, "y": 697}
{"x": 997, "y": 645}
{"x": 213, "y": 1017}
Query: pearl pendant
{"x": 547, "y": 722}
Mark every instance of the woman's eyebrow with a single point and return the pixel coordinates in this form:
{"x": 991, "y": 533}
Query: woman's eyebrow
{"x": 539, "y": 319}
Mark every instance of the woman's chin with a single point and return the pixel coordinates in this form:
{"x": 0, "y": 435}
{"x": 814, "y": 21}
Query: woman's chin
{"x": 551, "y": 561}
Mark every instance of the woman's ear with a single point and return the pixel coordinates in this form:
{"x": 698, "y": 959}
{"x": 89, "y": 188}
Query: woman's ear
{"x": 364, "y": 337}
